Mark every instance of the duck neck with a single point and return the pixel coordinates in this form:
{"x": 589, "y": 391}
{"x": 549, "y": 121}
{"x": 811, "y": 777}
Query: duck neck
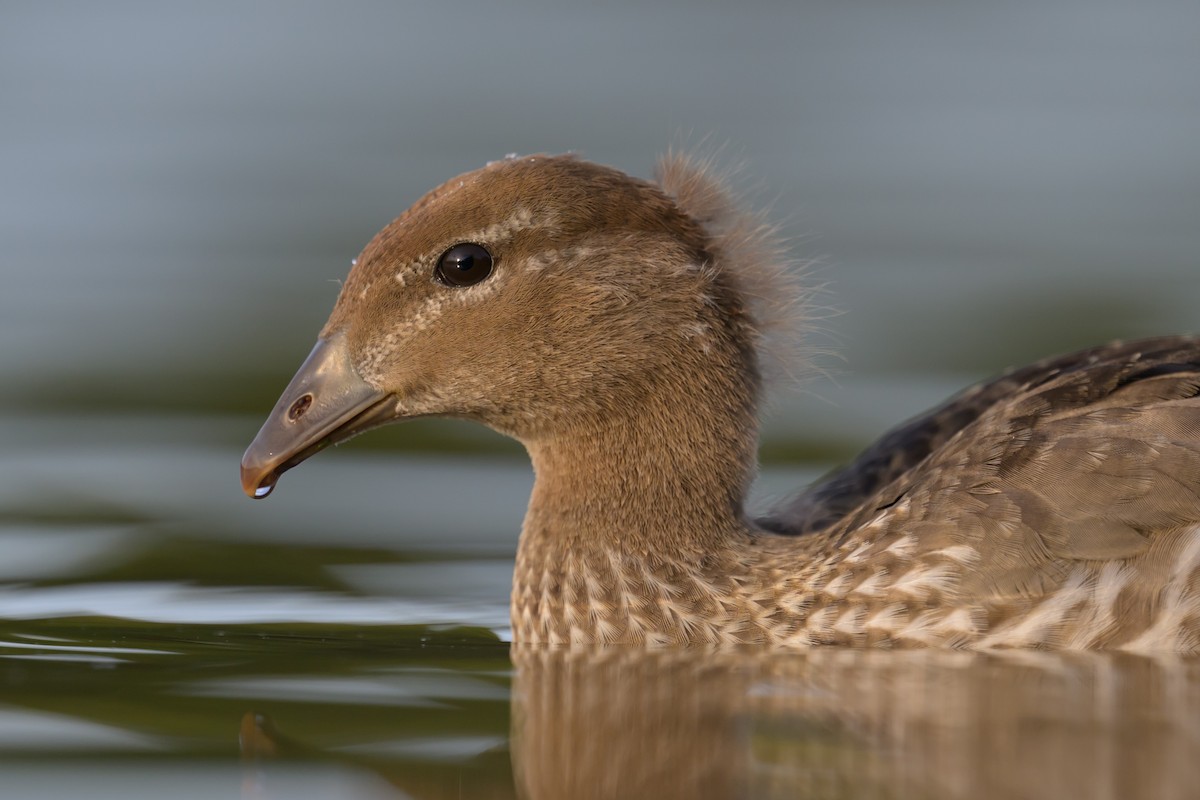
{"x": 666, "y": 478}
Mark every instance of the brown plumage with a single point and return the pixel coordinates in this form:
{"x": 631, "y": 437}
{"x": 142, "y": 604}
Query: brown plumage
{"x": 617, "y": 334}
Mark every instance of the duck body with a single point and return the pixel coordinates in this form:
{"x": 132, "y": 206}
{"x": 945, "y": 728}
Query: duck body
{"x": 1055, "y": 506}
{"x": 615, "y": 327}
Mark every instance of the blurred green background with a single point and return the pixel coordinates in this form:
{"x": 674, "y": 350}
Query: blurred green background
{"x": 185, "y": 183}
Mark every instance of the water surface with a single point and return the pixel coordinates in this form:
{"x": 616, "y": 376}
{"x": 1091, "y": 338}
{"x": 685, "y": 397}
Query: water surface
{"x": 159, "y": 630}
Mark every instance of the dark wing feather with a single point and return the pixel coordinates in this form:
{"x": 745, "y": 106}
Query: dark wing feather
{"x": 1059, "y": 411}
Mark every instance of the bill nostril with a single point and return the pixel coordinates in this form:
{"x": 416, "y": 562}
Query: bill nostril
{"x": 300, "y": 407}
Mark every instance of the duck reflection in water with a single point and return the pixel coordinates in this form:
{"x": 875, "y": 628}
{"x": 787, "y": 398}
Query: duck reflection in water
{"x": 676, "y": 724}
{"x": 596, "y": 724}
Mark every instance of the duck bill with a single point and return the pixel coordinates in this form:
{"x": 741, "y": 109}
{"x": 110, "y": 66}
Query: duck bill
{"x": 326, "y": 403}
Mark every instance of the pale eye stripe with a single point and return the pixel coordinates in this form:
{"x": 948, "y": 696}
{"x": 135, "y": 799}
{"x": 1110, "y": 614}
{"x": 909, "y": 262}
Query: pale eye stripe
{"x": 492, "y": 235}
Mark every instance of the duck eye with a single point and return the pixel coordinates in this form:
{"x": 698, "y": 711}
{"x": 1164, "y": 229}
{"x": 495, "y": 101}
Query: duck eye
{"x": 464, "y": 265}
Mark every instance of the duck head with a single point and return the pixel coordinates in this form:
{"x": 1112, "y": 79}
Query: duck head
{"x": 535, "y": 295}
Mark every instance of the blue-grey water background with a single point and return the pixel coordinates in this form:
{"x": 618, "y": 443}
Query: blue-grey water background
{"x": 183, "y": 185}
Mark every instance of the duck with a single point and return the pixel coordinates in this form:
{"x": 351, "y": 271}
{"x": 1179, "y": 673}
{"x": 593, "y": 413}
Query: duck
{"x": 621, "y": 329}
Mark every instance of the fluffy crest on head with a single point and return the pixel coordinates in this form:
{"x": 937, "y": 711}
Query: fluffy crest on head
{"x": 750, "y": 252}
